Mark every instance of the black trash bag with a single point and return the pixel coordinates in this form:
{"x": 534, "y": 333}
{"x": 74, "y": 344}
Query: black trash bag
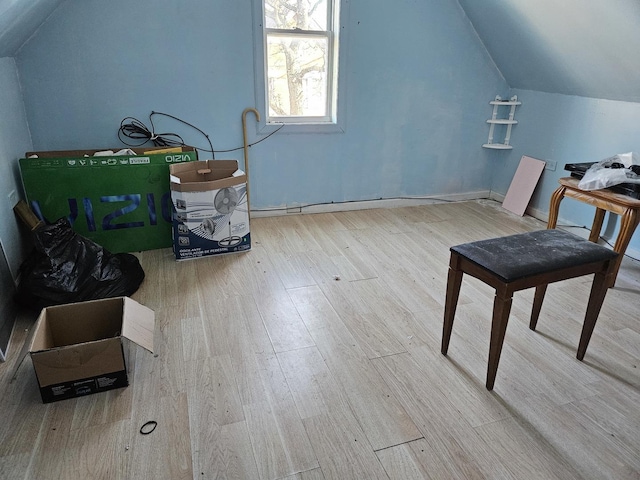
{"x": 66, "y": 267}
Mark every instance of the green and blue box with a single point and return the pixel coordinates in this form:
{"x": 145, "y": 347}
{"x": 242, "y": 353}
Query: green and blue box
{"x": 121, "y": 202}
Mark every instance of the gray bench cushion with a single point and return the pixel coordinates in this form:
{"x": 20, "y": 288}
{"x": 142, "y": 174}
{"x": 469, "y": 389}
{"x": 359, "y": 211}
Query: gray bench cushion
{"x": 525, "y": 254}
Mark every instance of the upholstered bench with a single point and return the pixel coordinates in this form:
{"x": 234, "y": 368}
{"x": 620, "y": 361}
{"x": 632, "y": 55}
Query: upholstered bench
{"x": 517, "y": 262}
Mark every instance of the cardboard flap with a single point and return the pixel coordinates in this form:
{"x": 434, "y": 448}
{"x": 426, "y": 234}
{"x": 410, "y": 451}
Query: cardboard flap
{"x": 40, "y": 335}
{"x": 138, "y": 324}
{"x": 205, "y": 175}
{"x": 203, "y": 171}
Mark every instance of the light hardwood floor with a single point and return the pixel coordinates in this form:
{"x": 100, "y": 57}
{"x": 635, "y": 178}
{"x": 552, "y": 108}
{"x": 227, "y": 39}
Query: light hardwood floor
{"x": 316, "y": 355}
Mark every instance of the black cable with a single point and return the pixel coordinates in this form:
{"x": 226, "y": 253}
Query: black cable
{"x": 307, "y": 205}
{"x": 136, "y": 130}
{"x": 133, "y": 129}
{"x": 186, "y": 123}
{"x": 252, "y": 144}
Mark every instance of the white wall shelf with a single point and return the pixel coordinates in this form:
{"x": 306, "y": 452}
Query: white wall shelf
{"x": 502, "y": 121}
{"x": 498, "y": 146}
{"x": 509, "y": 122}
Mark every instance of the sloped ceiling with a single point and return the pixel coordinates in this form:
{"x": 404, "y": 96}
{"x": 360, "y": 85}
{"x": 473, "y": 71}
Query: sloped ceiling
{"x": 19, "y": 19}
{"x": 589, "y": 48}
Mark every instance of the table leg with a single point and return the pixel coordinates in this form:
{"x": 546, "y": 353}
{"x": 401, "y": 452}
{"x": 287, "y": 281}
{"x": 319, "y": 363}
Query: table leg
{"x": 596, "y": 228}
{"x": 554, "y": 206}
{"x": 629, "y": 222}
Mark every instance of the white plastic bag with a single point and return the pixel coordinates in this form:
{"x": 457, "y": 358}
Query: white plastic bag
{"x": 601, "y": 175}
{"x": 627, "y": 159}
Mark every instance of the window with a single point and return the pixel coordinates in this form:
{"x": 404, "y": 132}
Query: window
{"x": 297, "y": 49}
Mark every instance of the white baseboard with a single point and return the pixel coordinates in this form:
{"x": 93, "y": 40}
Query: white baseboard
{"x": 368, "y": 204}
{"x": 414, "y": 201}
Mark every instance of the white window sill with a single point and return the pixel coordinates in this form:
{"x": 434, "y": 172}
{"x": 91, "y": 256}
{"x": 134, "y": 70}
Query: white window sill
{"x": 306, "y": 128}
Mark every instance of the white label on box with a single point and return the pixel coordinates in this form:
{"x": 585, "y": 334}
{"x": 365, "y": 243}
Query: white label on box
{"x": 60, "y": 390}
{"x": 239, "y": 227}
{"x": 106, "y": 381}
{"x": 139, "y": 160}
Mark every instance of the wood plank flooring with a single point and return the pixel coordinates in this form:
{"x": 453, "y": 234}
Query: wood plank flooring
{"x": 316, "y": 355}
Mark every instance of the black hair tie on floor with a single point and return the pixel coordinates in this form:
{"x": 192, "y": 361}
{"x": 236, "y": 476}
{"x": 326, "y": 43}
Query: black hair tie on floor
{"x": 148, "y": 427}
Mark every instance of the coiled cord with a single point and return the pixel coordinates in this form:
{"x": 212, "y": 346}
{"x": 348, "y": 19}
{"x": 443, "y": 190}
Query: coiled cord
{"x": 137, "y": 134}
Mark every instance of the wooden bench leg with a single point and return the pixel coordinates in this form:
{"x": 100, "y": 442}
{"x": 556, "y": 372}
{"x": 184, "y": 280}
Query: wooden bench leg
{"x": 537, "y": 305}
{"x": 501, "y": 310}
{"x": 601, "y": 282}
{"x": 454, "y": 280}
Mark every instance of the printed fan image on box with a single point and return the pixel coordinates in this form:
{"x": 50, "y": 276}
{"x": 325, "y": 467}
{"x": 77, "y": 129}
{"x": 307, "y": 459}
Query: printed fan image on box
{"x": 213, "y": 221}
{"x": 210, "y": 203}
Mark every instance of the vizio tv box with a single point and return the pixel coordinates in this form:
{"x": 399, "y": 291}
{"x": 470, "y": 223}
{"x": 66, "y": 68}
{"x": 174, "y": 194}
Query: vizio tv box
{"x": 121, "y": 202}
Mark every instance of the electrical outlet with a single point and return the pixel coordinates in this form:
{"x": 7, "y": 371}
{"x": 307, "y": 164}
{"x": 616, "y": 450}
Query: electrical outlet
{"x": 13, "y": 198}
{"x": 550, "y": 165}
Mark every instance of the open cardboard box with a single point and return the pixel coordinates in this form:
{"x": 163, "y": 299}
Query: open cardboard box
{"x": 76, "y": 349}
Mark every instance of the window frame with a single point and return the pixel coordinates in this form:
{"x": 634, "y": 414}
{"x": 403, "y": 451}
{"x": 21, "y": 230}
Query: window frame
{"x": 334, "y": 122}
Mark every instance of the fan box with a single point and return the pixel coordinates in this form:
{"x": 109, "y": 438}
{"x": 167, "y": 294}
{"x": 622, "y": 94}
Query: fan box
{"x": 211, "y": 213}
{"x": 121, "y": 202}
{"x": 77, "y": 349}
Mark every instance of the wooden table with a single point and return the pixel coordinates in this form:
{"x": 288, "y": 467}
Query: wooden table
{"x": 604, "y": 200}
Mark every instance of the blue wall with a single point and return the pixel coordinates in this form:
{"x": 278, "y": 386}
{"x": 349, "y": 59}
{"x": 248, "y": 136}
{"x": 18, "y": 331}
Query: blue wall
{"x": 567, "y": 129}
{"x": 418, "y": 85}
{"x": 14, "y": 142}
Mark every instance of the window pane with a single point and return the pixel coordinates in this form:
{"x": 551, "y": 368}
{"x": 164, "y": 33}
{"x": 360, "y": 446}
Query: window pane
{"x": 297, "y": 75}
{"x": 292, "y": 14}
